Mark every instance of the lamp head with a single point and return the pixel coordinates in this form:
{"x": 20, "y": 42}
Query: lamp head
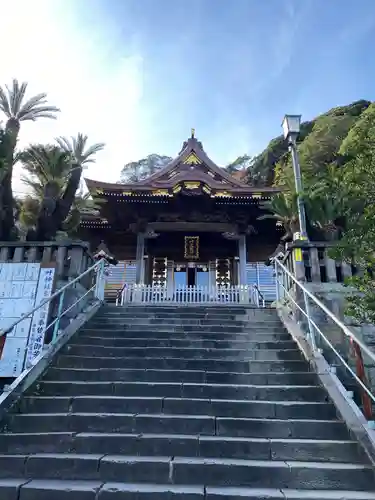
{"x": 291, "y": 125}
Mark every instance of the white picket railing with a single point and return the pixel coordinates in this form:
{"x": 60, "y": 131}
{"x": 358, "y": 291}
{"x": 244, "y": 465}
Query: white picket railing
{"x": 153, "y": 294}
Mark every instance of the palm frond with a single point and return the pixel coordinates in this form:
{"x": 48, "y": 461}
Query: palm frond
{"x": 4, "y": 103}
{"x": 76, "y": 146}
{"x": 35, "y": 187}
{"x": 13, "y": 106}
{"x": 16, "y": 95}
{"x": 45, "y": 165}
{"x": 269, "y": 216}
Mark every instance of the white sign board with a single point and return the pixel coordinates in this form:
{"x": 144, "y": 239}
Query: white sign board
{"x": 40, "y": 317}
{"x": 22, "y": 286}
{"x": 18, "y": 283}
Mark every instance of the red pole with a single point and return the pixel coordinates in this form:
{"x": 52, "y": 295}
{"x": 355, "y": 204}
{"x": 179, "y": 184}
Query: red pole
{"x": 361, "y": 374}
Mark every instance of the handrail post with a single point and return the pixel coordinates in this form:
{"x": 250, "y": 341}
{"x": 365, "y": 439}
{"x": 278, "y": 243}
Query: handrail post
{"x": 59, "y": 313}
{"x": 99, "y": 288}
{"x": 310, "y": 325}
{"x": 277, "y": 282}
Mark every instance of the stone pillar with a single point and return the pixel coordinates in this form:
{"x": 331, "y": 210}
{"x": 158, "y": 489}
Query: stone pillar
{"x": 139, "y": 276}
{"x": 242, "y": 262}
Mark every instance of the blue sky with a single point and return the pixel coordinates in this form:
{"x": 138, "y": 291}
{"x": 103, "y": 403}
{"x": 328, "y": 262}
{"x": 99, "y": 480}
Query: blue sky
{"x": 139, "y": 74}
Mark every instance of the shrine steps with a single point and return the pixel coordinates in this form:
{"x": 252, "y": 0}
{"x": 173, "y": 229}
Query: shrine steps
{"x": 210, "y": 403}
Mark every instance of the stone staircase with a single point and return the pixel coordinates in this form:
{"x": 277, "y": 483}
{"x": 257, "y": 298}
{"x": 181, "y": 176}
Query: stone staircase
{"x": 170, "y": 403}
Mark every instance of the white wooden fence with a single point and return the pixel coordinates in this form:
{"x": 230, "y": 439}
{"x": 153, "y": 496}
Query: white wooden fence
{"x": 152, "y": 294}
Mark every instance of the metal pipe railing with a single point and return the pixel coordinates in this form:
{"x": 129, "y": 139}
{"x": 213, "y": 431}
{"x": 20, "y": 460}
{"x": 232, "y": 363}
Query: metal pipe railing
{"x": 259, "y": 296}
{"x": 61, "y": 292}
{"x": 313, "y": 328}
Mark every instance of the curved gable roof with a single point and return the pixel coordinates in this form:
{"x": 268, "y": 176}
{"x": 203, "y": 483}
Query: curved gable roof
{"x": 192, "y": 155}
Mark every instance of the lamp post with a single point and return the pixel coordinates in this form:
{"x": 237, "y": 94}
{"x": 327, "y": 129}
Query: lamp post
{"x": 291, "y": 127}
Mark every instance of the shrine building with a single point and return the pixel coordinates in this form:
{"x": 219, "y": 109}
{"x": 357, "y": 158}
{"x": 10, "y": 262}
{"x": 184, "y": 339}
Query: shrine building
{"x": 189, "y": 224}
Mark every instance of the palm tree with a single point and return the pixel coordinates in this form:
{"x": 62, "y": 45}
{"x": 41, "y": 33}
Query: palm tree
{"x": 48, "y": 168}
{"x": 49, "y": 172}
{"x": 283, "y": 208}
{"x": 77, "y": 147}
{"x": 81, "y": 155}
{"x": 13, "y": 105}
{"x": 327, "y": 205}
{"x": 17, "y": 109}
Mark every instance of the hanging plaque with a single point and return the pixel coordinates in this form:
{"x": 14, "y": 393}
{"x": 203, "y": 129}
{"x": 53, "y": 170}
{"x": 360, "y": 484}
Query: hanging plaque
{"x": 191, "y": 247}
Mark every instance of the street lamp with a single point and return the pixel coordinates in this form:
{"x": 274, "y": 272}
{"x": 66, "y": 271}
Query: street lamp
{"x": 291, "y": 127}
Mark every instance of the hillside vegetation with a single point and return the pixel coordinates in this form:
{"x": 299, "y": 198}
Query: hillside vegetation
{"x": 319, "y": 144}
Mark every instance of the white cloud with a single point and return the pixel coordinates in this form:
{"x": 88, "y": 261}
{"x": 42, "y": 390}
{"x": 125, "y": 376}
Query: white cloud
{"x": 46, "y": 44}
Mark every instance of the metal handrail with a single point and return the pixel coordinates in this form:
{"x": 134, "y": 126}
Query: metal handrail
{"x": 259, "y": 296}
{"x": 119, "y": 293}
{"x": 329, "y": 313}
{"x": 61, "y": 291}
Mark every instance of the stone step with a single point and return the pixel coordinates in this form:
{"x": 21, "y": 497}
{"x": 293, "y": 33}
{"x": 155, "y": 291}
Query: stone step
{"x": 16, "y": 489}
{"x": 151, "y": 445}
{"x": 177, "y": 424}
{"x": 154, "y": 330}
{"x": 70, "y": 361}
{"x": 282, "y": 494}
{"x": 175, "y": 316}
{"x": 170, "y": 320}
{"x": 178, "y": 406}
{"x": 181, "y": 342}
{"x": 264, "y": 335}
{"x": 176, "y": 401}
{"x": 184, "y": 353}
{"x": 195, "y": 376}
{"x": 192, "y": 309}
{"x": 184, "y": 390}
{"x": 98, "y": 322}
{"x": 21, "y": 489}
{"x": 189, "y": 471}
{"x": 225, "y": 316}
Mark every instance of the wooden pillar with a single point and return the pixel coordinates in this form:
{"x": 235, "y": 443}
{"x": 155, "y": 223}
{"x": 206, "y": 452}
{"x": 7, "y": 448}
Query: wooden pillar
{"x": 139, "y": 275}
{"x": 242, "y": 257}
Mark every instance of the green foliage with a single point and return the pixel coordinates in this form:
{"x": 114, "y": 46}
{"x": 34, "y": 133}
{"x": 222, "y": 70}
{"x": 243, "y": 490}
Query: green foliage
{"x": 263, "y": 167}
{"x": 50, "y": 170}
{"x": 283, "y": 208}
{"x": 240, "y": 163}
{"x": 78, "y": 149}
{"x": 319, "y": 144}
{"x": 136, "y": 171}
{"x": 357, "y": 194}
{"x": 361, "y": 304}
{"x": 16, "y": 108}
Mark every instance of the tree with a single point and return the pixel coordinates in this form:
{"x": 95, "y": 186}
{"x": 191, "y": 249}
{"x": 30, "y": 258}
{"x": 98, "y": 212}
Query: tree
{"x": 283, "y": 208}
{"x": 49, "y": 172}
{"x": 17, "y": 109}
{"x": 136, "y": 171}
{"x": 81, "y": 155}
{"x": 358, "y": 192}
{"x": 325, "y": 203}
{"x": 326, "y": 131}
{"x": 240, "y": 163}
